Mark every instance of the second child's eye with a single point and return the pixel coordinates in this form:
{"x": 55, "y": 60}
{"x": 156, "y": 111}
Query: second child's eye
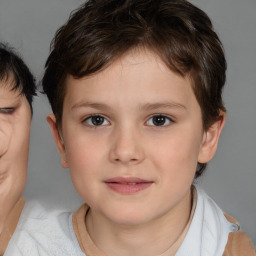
{"x": 96, "y": 120}
{"x": 6, "y": 110}
{"x": 159, "y": 120}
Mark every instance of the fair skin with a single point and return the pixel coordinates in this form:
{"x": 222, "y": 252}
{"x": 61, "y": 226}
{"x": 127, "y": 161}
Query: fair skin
{"x": 15, "y": 120}
{"x": 132, "y": 135}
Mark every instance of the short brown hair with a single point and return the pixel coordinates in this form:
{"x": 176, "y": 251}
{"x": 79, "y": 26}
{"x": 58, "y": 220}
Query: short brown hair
{"x": 100, "y": 31}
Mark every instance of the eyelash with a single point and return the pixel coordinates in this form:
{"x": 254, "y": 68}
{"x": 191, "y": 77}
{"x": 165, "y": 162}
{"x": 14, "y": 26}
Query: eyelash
{"x": 90, "y": 118}
{"x": 6, "y": 111}
{"x": 165, "y": 117}
{"x": 103, "y": 119}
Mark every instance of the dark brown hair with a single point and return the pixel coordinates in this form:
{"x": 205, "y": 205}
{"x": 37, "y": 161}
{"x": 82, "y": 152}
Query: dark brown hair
{"x": 13, "y": 67}
{"x": 100, "y": 31}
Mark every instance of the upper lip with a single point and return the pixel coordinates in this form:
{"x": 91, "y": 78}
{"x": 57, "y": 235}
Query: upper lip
{"x": 126, "y": 180}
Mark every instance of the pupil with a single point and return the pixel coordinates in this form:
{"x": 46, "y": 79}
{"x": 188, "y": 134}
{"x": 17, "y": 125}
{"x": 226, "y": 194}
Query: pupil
{"x": 158, "y": 120}
{"x": 97, "y": 120}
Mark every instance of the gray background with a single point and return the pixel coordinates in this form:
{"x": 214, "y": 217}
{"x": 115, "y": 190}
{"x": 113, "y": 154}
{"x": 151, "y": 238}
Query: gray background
{"x": 29, "y": 25}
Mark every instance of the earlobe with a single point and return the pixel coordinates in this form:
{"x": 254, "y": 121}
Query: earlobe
{"x": 210, "y": 139}
{"x": 57, "y": 139}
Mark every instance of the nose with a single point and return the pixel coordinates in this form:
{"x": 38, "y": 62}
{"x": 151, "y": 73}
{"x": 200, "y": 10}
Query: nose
{"x": 126, "y": 146}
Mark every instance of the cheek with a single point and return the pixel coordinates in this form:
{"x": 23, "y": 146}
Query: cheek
{"x": 19, "y": 145}
{"x": 14, "y": 164}
{"x": 84, "y": 158}
{"x": 5, "y": 137}
{"x": 15, "y": 147}
{"x": 177, "y": 154}
{"x": 84, "y": 153}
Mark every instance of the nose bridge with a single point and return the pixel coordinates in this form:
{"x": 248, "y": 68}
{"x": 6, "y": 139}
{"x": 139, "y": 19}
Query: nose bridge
{"x": 126, "y": 145}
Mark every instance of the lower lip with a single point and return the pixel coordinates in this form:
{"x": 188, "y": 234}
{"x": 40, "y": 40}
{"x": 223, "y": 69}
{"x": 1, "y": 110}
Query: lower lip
{"x": 124, "y": 188}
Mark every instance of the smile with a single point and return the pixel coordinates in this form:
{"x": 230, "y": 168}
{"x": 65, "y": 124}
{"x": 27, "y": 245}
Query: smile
{"x": 129, "y": 185}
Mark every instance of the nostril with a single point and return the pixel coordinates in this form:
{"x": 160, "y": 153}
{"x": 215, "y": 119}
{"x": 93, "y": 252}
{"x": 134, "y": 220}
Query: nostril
{"x": 127, "y": 160}
{"x": 126, "y": 150}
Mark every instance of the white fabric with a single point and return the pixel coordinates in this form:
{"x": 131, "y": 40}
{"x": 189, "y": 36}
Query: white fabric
{"x": 209, "y": 229}
{"x": 42, "y": 234}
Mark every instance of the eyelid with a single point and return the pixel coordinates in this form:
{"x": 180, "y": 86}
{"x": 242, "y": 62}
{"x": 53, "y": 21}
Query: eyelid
{"x": 7, "y": 110}
{"x": 93, "y": 115}
{"x": 171, "y": 119}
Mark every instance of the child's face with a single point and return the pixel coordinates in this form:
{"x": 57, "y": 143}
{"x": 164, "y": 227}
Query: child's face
{"x": 132, "y": 136}
{"x": 15, "y": 119}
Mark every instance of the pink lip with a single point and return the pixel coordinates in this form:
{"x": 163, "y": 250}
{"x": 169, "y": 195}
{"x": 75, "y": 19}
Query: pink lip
{"x": 127, "y": 185}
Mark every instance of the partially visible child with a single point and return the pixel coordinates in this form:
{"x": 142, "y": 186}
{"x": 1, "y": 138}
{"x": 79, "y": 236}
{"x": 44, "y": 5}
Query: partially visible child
{"x": 136, "y": 92}
{"x": 17, "y": 88}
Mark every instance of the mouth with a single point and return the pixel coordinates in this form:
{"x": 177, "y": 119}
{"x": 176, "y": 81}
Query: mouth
{"x": 127, "y": 185}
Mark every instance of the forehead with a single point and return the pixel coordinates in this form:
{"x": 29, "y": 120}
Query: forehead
{"x": 138, "y": 78}
{"x": 10, "y": 97}
{"x": 7, "y": 90}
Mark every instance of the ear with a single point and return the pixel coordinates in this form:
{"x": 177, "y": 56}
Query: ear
{"x": 210, "y": 139}
{"x": 58, "y": 139}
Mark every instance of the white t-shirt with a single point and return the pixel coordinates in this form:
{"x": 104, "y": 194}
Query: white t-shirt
{"x": 40, "y": 233}
{"x": 208, "y": 231}
{"x": 51, "y": 234}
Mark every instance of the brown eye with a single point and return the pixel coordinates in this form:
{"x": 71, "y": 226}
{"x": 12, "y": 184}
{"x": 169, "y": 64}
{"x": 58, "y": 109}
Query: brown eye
{"x": 159, "y": 120}
{"x": 96, "y": 120}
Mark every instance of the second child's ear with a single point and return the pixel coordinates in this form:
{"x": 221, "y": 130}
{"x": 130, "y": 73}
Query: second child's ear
{"x": 58, "y": 139}
{"x": 210, "y": 139}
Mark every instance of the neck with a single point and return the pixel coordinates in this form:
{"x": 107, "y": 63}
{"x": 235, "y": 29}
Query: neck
{"x": 152, "y": 238}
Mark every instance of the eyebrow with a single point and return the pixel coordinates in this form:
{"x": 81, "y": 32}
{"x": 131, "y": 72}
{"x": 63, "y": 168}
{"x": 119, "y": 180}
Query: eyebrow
{"x": 99, "y": 106}
{"x": 9, "y": 102}
{"x": 153, "y": 106}
{"x": 145, "y": 107}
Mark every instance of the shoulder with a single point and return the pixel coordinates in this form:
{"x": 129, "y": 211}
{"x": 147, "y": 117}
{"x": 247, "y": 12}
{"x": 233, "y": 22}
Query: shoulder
{"x": 239, "y": 243}
{"x": 235, "y": 242}
{"x": 42, "y": 232}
